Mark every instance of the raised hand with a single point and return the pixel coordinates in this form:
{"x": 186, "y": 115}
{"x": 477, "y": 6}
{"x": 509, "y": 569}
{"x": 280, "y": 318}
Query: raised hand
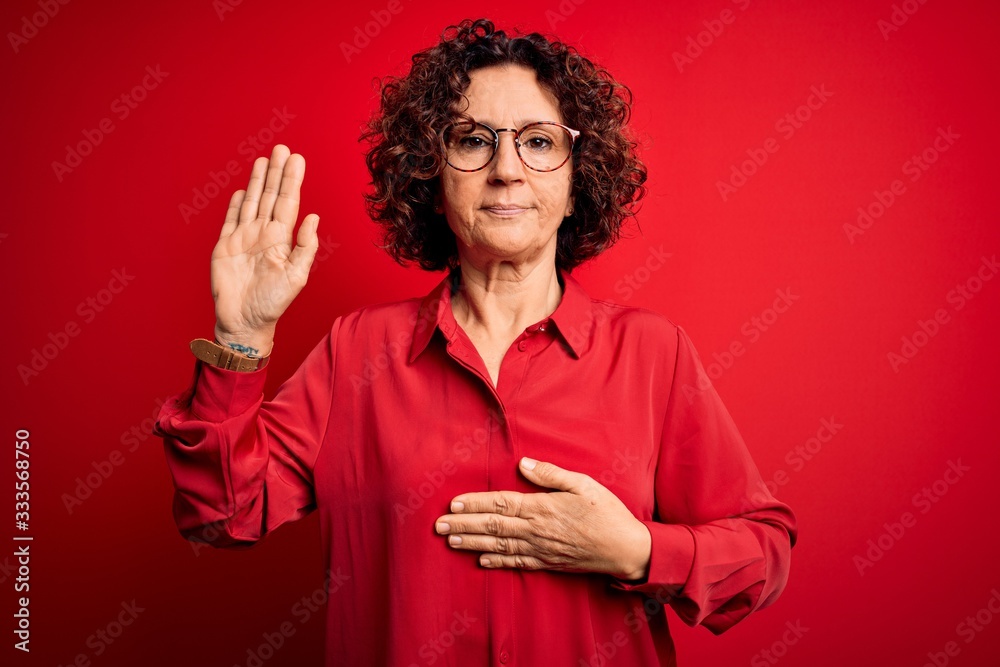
{"x": 256, "y": 269}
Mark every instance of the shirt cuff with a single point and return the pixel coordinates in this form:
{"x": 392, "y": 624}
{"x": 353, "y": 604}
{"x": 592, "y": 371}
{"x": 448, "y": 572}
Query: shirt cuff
{"x": 220, "y": 394}
{"x": 671, "y": 558}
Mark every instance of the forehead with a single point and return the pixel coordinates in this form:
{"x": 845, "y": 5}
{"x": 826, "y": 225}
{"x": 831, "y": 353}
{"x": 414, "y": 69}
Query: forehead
{"x": 509, "y": 94}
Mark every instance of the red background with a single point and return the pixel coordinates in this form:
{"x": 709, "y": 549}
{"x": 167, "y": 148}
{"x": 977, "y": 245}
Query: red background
{"x": 825, "y": 358}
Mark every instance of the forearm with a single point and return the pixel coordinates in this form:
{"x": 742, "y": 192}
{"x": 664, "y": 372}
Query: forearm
{"x": 239, "y": 461}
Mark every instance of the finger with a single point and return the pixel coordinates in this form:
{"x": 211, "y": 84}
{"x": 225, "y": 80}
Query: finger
{"x": 306, "y": 244}
{"x": 273, "y": 183}
{"x": 482, "y": 524}
{"x": 507, "y": 503}
{"x": 286, "y": 209}
{"x": 488, "y": 544}
{"x": 233, "y": 214}
{"x": 248, "y": 212}
{"x": 552, "y": 476}
{"x": 494, "y": 560}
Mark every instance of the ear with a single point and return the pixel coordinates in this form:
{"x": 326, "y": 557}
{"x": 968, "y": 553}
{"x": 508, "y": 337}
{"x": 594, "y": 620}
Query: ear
{"x": 438, "y": 202}
{"x": 569, "y": 206}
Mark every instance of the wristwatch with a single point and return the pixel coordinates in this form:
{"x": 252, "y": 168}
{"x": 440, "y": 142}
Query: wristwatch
{"x": 217, "y": 355}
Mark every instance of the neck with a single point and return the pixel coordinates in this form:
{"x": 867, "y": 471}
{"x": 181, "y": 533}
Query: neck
{"x": 501, "y": 298}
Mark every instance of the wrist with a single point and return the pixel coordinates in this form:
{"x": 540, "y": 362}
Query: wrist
{"x": 635, "y": 562}
{"x": 228, "y": 358}
{"x": 256, "y": 344}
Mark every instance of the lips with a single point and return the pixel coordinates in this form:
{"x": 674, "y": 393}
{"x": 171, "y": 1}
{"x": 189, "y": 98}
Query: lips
{"x": 505, "y": 210}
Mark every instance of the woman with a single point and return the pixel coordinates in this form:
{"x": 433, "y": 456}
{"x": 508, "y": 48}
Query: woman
{"x": 507, "y": 471}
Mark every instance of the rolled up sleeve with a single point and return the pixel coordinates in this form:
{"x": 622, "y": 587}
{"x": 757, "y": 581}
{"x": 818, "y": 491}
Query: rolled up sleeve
{"x": 721, "y": 542}
{"x": 242, "y": 466}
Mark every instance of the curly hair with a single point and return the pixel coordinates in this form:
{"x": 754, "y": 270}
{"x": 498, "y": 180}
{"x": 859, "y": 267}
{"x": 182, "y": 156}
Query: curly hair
{"x": 406, "y": 155}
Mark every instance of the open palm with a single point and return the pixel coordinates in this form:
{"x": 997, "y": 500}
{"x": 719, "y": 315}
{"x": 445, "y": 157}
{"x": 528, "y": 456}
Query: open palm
{"x": 256, "y": 269}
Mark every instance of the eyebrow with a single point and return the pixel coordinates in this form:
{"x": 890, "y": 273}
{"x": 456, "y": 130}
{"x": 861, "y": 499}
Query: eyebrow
{"x": 524, "y": 124}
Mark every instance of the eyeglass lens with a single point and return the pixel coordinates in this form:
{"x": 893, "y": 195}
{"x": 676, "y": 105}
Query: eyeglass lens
{"x": 543, "y": 146}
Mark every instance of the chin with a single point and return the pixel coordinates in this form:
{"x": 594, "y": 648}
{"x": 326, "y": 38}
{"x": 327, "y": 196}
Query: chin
{"x": 509, "y": 252}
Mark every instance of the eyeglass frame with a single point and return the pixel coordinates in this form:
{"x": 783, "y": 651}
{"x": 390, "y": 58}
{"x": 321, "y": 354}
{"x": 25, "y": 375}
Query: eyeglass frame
{"x": 574, "y": 135}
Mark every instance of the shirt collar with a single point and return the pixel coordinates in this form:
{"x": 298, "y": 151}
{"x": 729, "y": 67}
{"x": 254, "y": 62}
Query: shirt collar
{"x": 573, "y": 317}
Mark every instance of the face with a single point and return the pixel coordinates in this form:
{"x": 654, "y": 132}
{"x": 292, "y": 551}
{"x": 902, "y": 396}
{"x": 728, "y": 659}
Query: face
{"x": 507, "y": 212}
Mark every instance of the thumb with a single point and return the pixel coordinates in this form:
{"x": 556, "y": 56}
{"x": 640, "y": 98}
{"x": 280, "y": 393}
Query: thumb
{"x": 306, "y": 244}
{"x": 552, "y": 476}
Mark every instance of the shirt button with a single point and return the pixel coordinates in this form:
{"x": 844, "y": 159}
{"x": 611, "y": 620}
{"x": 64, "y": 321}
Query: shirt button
{"x": 522, "y": 346}
{"x": 541, "y": 328}
{"x": 504, "y": 657}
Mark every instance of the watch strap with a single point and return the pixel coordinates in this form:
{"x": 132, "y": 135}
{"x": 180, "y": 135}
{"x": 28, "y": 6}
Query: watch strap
{"x": 218, "y": 355}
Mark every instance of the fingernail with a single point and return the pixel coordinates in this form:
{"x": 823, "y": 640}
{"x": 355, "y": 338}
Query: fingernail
{"x": 454, "y": 540}
{"x": 485, "y": 562}
{"x": 457, "y": 506}
{"x": 528, "y": 464}
{"x": 443, "y": 528}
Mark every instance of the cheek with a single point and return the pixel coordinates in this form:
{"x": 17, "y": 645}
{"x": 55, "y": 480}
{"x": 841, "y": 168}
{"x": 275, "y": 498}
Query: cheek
{"x": 446, "y": 190}
{"x": 559, "y": 198}
{"x": 457, "y": 194}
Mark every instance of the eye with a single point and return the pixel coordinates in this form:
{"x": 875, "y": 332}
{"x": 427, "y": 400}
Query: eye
{"x": 474, "y": 141}
{"x": 540, "y": 139}
{"x": 537, "y": 142}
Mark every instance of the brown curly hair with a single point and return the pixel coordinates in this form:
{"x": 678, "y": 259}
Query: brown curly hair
{"x": 406, "y": 156}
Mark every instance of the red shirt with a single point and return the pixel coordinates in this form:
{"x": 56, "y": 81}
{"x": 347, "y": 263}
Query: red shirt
{"x": 393, "y": 414}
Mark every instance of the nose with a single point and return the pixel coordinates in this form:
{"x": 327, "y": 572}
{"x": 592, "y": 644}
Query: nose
{"x": 506, "y": 165}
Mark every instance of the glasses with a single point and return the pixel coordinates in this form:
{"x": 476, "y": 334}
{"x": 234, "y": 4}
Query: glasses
{"x": 542, "y": 146}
